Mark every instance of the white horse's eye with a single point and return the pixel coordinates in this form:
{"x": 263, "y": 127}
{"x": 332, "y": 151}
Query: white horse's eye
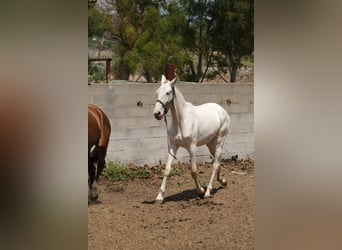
{"x": 167, "y": 93}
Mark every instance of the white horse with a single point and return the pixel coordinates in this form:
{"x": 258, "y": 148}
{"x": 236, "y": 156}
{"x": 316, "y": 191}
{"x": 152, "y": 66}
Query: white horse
{"x": 191, "y": 126}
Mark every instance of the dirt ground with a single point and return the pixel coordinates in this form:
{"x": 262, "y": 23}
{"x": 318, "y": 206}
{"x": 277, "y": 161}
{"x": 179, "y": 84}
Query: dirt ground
{"x": 126, "y": 217}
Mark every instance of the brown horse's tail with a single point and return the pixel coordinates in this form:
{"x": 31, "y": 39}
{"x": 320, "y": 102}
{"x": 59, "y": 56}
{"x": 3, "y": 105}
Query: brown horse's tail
{"x": 105, "y": 131}
{"x": 104, "y": 126}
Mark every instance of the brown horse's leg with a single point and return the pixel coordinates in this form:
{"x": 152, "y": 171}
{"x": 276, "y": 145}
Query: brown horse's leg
{"x": 101, "y": 154}
{"x": 101, "y": 163}
{"x": 91, "y": 173}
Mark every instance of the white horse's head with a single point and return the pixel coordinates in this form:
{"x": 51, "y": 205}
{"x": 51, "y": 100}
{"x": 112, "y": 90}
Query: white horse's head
{"x": 165, "y": 94}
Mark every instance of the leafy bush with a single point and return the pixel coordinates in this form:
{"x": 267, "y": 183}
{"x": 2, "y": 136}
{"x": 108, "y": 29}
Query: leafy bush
{"x": 96, "y": 72}
{"x": 118, "y": 172}
{"x": 175, "y": 171}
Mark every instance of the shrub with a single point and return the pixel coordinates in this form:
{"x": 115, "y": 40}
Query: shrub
{"x": 119, "y": 172}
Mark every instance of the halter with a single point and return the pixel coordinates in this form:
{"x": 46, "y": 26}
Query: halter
{"x": 166, "y": 109}
{"x": 166, "y": 105}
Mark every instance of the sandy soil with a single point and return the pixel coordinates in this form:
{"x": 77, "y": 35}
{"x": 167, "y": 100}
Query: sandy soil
{"x": 126, "y": 217}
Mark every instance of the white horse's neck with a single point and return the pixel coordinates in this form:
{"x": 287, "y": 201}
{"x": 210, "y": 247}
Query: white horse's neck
{"x": 177, "y": 108}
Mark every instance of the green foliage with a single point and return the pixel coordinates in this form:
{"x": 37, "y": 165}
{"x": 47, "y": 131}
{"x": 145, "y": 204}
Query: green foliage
{"x": 247, "y": 61}
{"x": 181, "y": 182}
{"x": 201, "y": 182}
{"x": 118, "y": 172}
{"x": 233, "y": 31}
{"x": 98, "y": 23}
{"x": 96, "y": 72}
{"x": 193, "y": 35}
{"x": 158, "y": 44}
{"x": 175, "y": 171}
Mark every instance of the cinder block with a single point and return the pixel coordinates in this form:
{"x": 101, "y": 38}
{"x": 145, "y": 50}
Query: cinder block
{"x": 139, "y": 133}
{"x": 239, "y": 108}
{"x": 241, "y": 128}
{"x": 239, "y": 137}
{"x": 155, "y": 142}
{"x": 118, "y": 134}
{"x": 158, "y": 132}
{"x": 237, "y": 98}
{"x": 126, "y": 100}
{"x": 241, "y": 118}
{"x": 98, "y": 89}
{"x": 104, "y": 100}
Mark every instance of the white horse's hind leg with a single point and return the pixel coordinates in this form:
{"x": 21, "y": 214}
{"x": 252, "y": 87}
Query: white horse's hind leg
{"x": 167, "y": 170}
{"x": 216, "y": 165}
{"x": 222, "y": 181}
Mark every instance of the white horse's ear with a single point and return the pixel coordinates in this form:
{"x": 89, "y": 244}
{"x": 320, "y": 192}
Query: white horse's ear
{"x": 163, "y": 79}
{"x": 173, "y": 82}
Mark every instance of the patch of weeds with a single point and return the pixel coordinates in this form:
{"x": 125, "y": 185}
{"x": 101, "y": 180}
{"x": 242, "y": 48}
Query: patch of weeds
{"x": 118, "y": 172}
{"x": 201, "y": 182}
{"x": 175, "y": 171}
{"x": 159, "y": 171}
{"x": 181, "y": 182}
{"x": 119, "y": 189}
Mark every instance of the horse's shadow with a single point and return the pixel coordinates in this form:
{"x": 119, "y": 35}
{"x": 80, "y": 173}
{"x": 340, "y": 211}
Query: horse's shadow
{"x": 92, "y": 203}
{"x": 186, "y": 195}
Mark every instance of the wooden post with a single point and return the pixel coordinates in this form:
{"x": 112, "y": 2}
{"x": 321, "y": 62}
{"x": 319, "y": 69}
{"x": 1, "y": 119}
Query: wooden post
{"x": 108, "y": 70}
{"x": 170, "y": 71}
{"x": 108, "y": 65}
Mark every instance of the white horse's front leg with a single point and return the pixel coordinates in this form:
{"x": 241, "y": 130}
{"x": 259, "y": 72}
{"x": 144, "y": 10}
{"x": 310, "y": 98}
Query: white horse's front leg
{"x": 173, "y": 151}
{"x": 199, "y": 189}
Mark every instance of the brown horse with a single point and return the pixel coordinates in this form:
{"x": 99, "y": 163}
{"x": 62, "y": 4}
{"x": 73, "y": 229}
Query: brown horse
{"x": 98, "y": 138}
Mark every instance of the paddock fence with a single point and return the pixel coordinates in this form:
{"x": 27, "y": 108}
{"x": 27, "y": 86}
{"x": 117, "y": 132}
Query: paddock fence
{"x": 140, "y": 139}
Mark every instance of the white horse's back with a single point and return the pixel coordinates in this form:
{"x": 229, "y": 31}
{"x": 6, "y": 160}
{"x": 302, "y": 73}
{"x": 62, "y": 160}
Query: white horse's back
{"x": 211, "y": 118}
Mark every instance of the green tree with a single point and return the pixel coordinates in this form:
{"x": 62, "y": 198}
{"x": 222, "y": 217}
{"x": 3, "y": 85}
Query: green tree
{"x": 127, "y": 26}
{"x": 98, "y": 23}
{"x": 160, "y": 43}
{"x": 232, "y": 32}
{"x": 191, "y": 34}
{"x": 198, "y": 47}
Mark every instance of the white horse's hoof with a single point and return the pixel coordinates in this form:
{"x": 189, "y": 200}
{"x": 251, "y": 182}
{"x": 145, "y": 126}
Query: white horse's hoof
{"x": 207, "y": 195}
{"x": 158, "y": 202}
{"x": 201, "y": 191}
{"x": 223, "y": 182}
{"x": 160, "y": 197}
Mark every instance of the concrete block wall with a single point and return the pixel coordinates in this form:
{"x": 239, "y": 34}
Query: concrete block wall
{"x": 138, "y": 138}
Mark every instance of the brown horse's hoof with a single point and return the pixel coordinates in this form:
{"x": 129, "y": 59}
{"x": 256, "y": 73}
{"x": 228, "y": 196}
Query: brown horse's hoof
{"x": 94, "y": 198}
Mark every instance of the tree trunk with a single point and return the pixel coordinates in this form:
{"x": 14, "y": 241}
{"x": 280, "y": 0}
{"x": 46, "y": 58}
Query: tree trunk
{"x": 123, "y": 70}
{"x": 200, "y": 56}
{"x": 233, "y": 73}
{"x": 100, "y": 47}
{"x": 199, "y": 67}
{"x": 207, "y": 67}
{"x": 233, "y": 67}
{"x": 148, "y": 76}
{"x": 193, "y": 72}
